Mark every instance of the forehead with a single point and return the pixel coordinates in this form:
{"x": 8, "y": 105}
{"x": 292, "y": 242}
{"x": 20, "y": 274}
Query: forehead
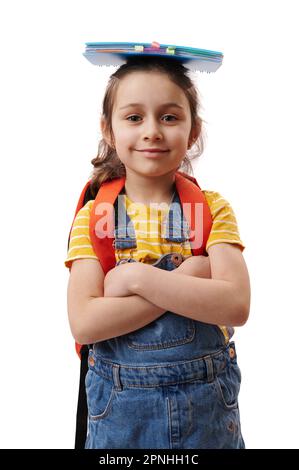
{"x": 148, "y": 88}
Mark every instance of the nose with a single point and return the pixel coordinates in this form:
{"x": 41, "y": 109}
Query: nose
{"x": 152, "y": 130}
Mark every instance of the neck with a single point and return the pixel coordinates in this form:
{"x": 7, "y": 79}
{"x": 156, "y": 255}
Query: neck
{"x": 147, "y": 190}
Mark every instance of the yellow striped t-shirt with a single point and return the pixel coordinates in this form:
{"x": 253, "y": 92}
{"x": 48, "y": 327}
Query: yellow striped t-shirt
{"x": 148, "y": 220}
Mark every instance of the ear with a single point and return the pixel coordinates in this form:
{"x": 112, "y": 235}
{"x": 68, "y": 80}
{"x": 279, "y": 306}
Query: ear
{"x": 195, "y": 132}
{"x": 105, "y": 133}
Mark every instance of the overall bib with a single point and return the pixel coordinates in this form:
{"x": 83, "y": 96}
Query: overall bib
{"x": 172, "y": 384}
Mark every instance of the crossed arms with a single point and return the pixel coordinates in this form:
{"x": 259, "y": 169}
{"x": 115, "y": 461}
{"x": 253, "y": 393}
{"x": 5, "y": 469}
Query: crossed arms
{"x": 213, "y": 289}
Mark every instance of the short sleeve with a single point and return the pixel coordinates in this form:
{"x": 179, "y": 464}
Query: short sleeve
{"x": 80, "y": 245}
{"x": 224, "y": 227}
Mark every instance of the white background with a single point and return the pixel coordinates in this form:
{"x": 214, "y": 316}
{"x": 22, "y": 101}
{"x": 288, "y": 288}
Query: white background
{"x": 50, "y": 106}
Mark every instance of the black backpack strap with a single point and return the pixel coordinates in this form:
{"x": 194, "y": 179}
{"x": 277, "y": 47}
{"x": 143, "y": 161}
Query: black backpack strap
{"x": 82, "y": 413}
{"x": 88, "y": 196}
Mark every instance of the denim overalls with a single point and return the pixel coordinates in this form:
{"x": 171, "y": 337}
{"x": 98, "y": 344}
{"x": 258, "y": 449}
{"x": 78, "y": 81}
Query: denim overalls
{"x": 172, "y": 384}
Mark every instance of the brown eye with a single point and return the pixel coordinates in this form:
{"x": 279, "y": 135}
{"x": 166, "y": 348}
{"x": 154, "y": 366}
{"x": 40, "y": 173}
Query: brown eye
{"x": 170, "y": 116}
{"x": 133, "y": 116}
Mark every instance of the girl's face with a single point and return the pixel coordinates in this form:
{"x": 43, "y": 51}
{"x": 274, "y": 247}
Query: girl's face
{"x": 151, "y": 112}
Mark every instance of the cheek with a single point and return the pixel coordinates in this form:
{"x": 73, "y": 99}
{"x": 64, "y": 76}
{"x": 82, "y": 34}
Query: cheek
{"x": 124, "y": 136}
{"x": 180, "y": 137}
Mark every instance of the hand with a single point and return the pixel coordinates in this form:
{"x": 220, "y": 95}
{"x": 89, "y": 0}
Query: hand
{"x": 118, "y": 280}
{"x": 198, "y": 266}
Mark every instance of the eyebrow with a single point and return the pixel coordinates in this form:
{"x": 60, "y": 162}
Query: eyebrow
{"x": 165, "y": 105}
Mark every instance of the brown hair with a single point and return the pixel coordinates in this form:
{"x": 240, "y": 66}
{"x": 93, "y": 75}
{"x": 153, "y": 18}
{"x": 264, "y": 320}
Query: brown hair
{"x": 107, "y": 164}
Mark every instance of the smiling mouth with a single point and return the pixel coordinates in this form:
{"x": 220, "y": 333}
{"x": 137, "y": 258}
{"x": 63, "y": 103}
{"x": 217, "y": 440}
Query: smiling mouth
{"x": 153, "y": 151}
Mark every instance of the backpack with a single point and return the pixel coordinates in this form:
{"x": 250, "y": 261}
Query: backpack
{"x": 189, "y": 191}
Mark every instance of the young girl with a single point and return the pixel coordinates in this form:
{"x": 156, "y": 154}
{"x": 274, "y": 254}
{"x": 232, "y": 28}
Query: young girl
{"x": 163, "y": 371}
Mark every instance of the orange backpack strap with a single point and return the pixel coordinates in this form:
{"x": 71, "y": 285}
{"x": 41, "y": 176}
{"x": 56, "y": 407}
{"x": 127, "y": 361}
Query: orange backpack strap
{"x": 193, "y": 199}
{"x": 101, "y": 228}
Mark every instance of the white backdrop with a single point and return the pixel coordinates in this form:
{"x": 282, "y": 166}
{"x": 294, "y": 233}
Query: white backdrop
{"x": 50, "y": 108}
